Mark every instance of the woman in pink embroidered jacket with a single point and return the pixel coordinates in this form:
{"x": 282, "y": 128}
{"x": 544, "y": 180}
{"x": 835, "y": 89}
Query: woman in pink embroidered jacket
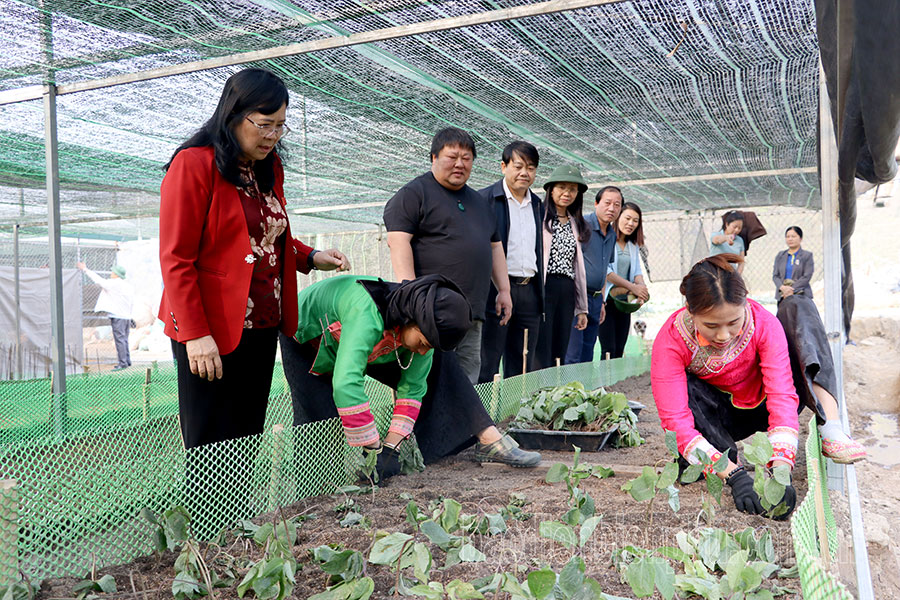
{"x": 721, "y": 370}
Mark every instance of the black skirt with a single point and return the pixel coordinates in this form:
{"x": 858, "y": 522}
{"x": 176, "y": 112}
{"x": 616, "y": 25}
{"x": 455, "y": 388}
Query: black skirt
{"x": 451, "y": 416}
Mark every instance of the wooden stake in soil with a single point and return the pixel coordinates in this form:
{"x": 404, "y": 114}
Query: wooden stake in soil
{"x": 278, "y": 444}
{"x": 525, "y": 352}
{"x": 145, "y": 395}
{"x": 495, "y": 396}
{"x": 9, "y": 532}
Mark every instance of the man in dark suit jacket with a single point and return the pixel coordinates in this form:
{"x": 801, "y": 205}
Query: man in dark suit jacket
{"x": 519, "y": 214}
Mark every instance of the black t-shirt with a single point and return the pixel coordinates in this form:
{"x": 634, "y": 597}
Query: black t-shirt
{"x": 447, "y": 240}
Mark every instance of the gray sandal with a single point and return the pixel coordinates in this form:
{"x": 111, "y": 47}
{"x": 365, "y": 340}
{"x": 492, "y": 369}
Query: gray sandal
{"x": 506, "y": 451}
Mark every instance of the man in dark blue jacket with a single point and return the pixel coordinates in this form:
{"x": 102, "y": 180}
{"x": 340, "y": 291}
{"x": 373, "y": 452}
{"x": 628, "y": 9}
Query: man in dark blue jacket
{"x": 519, "y": 215}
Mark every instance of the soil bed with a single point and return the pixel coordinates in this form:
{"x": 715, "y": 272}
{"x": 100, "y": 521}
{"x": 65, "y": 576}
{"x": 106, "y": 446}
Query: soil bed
{"x": 486, "y": 489}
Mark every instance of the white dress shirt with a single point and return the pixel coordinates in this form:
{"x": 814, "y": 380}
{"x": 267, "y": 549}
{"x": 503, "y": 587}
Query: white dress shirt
{"x": 116, "y": 296}
{"x": 521, "y": 260}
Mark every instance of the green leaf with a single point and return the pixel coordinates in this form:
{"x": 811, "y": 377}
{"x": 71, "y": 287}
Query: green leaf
{"x": 469, "y": 553}
{"x": 773, "y": 492}
{"x": 362, "y": 589}
{"x": 722, "y": 463}
{"x": 107, "y": 584}
{"x": 175, "y": 524}
{"x": 672, "y": 443}
{"x": 450, "y": 516}
{"x": 557, "y": 472}
{"x": 663, "y": 577}
{"x": 642, "y": 487}
{"x": 262, "y": 534}
{"x": 558, "y": 532}
{"x": 734, "y": 568}
{"x": 412, "y": 513}
{"x": 286, "y": 532}
{"x": 601, "y": 472}
{"x": 186, "y": 586}
{"x": 572, "y": 414}
{"x": 422, "y": 561}
{"x": 571, "y": 577}
{"x": 668, "y": 476}
{"x": 691, "y": 474}
{"x": 782, "y": 474}
{"x": 674, "y": 500}
{"x": 433, "y": 591}
{"x": 758, "y": 450}
{"x": 387, "y": 550}
{"x": 435, "y": 533}
{"x": 765, "y": 548}
{"x": 540, "y": 583}
{"x": 714, "y": 485}
{"x": 587, "y": 530}
{"x": 462, "y": 590}
{"x": 640, "y": 576}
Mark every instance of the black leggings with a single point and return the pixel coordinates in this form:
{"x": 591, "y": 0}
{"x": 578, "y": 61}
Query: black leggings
{"x": 613, "y": 332}
{"x": 559, "y": 303}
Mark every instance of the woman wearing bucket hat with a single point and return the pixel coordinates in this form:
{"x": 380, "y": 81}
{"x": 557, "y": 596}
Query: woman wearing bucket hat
{"x": 565, "y": 285}
{"x": 400, "y": 334}
{"x": 625, "y": 279}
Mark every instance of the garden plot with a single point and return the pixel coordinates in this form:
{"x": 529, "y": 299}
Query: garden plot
{"x": 460, "y": 530}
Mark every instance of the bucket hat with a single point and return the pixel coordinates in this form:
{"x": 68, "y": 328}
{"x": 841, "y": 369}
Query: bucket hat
{"x": 119, "y": 270}
{"x": 567, "y": 174}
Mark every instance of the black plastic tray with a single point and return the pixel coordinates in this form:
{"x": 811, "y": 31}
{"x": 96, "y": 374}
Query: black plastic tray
{"x": 588, "y": 441}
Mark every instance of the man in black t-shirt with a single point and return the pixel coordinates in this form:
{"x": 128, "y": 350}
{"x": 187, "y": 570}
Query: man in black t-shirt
{"x": 438, "y": 224}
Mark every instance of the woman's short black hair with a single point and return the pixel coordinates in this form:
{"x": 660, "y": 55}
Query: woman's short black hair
{"x": 527, "y": 151}
{"x": 245, "y": 92}
{"x": 730, "y": 217}
{"x": 795, "y": 229}
{"x": 452, "y": 136}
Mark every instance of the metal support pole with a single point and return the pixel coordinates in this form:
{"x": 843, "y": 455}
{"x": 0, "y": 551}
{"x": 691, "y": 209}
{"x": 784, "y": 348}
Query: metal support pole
{"x": 831, "y": 237}
{"x": 57, "y": 325}
{"x": 834, "y": 328}
{"x": 18, "y": 291}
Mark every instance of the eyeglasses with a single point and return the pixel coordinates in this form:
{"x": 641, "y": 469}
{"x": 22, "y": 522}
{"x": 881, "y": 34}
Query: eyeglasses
{"x": 267, "y": 130}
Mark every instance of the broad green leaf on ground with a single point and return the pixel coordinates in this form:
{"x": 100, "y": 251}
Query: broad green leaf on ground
{"x": 587, "y": 529}
{"x": 674, "y": 500}
{"x": 558, "y": 532}
{"x": 387, "y": 550}
{"x": 571, "y": 578}
{"x": 540, "y": 583}
{"x": 436, "y": 534}
{"x": 557, "y": 472}
{"x": 469, "y": 553}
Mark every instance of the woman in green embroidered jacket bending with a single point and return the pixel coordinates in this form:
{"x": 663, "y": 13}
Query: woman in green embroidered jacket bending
{"x": 402, "y": 335}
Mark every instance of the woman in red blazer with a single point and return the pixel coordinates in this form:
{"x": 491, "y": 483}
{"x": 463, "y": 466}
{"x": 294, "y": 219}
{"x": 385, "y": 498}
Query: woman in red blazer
{"x": 228, "y": 260}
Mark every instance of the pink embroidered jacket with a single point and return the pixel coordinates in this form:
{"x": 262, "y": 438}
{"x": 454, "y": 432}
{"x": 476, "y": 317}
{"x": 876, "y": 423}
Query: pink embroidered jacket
{"x": 755, "y": 368}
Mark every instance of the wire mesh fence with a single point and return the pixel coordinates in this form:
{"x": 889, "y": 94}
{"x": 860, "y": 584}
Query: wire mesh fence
{"x": 86, "y": 463}
{"x": 815, "y": 531}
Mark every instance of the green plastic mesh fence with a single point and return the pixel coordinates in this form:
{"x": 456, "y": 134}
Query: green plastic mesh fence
{"x": 809, "y": 527}
{"x": 634, "y": 90}
{"x": 86, "y": 464}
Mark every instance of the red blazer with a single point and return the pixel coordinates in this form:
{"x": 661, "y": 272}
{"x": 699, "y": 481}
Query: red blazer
{"x": 204, "y": 252}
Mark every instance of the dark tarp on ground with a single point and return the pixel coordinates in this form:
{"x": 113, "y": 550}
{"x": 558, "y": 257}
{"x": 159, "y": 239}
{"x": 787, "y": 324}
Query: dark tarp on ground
{"x": 860, "y": 45}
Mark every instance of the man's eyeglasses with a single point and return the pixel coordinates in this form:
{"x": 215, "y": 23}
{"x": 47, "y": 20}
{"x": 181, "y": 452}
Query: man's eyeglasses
{"x": 268, "y": 130}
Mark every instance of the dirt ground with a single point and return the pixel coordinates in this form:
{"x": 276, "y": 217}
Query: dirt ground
{"x": 872, "y": 389}
{"x": 486, "y": 489}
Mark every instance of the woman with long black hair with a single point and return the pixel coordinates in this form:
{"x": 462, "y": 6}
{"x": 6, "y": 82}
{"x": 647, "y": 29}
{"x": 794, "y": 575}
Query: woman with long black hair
{"x": 228, "y": 260}
{"x": 565, "y": 288}
{"x": 624, "y": 277}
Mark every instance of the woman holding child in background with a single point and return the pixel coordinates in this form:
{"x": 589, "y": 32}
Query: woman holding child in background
{"x": 727, "y": 240}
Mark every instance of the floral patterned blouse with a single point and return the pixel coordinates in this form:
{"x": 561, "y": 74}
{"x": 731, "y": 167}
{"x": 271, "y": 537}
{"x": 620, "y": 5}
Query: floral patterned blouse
{"x": 267, "y": 223}
{"x": 562, "y": 250}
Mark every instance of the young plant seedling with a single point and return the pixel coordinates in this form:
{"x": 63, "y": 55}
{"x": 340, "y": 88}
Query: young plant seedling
{"x": 581, "y": 504}
{"x": 346, "y": 571}
{"x": 85, "y": 590}
{"x": 273, "y": 576}
{"x": 769, "y": 484}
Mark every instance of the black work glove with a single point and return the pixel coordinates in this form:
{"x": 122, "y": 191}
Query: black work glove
{"x": 388, "y": 463}
{"x": 745, "y": 498}
{"x": 789, "y": 500}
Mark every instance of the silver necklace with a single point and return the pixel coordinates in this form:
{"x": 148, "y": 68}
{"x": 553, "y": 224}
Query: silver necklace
{"x": 397, "y": 354}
